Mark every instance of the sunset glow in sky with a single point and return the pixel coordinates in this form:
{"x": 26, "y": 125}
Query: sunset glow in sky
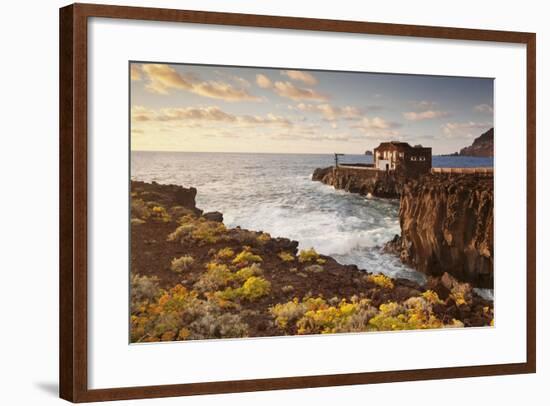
{"x": 226, "y": 109}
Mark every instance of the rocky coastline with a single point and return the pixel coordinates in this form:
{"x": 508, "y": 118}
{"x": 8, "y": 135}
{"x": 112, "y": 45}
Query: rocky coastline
{"x": 363, "y": 181}
{"x": 446, "y": 219}
{"x": 194, "y": 278}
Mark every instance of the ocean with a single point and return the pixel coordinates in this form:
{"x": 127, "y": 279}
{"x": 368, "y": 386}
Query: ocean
{"x": 274, "y": 193}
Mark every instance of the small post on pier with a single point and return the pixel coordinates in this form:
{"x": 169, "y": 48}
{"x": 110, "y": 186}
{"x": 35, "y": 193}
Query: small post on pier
{"x": 336, "y": 159}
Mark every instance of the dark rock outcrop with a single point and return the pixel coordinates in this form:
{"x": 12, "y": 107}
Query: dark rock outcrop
{"x": 447, "y": 226}
{"x": 362, "y": 181}
{"x": 173, "y": 196}
{"x": 214, "y": 216}
{"x": 482, "y": 146}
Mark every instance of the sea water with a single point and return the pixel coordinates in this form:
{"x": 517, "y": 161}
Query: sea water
{"x": 274, "y": 193}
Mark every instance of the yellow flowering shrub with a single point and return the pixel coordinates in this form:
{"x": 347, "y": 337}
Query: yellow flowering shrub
{"x": 287, "y": 314}
{"x": 390, "y": 317}
{"x": 263, "y": 238}
{"x": 244, "y": 273}
{"x": 286, "y": 256}
{"x": 432, "y": 297}
{"x": 317, "y": 316}
{"x": 415, "y": 313}
{"x": 381, "y": 280}
{"x": 216, "y": 276}
{"x": 225, "y": 253}
{"x": 198, "y": 230}
{"x": 246, "y": 257}
{"x": 458, "y": 297}
{"x": 158, "y": 213}
{"x": 253, "y": 288}
{"x": 180, "y": 315}
{"x": 308, "y": 255}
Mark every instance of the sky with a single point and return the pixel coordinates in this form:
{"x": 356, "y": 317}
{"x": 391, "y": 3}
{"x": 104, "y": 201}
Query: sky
{"x": 181, "y": 107}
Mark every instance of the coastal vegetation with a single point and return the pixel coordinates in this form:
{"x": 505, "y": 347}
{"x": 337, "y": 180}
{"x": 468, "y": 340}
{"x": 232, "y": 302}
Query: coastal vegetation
{"x": 194, "y": 278}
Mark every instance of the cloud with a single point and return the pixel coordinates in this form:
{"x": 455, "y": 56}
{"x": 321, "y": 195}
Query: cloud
{"x": 163, "y": 78}
{"x": 330, "y": 112}
{"x": 484, "y": 108}
{"x": 268, "y": 119}
{"x": 135, "y": 73}
{"x": 377, "y": 123}
{"x": 242, "y": 82}
{"x": 378, "y": 126}
{"x": 194, "y": 115}
{"x": 425, "y": 115}
{"x": 465, "y": 128}
{"x": 312, "y": 133}
{"x": 289, "y": 90}
{"x": 301, "y": 76}
{"x": 223, "y": 91}
{"x": 263, "y": 81}
{"x": 424, "y": 104}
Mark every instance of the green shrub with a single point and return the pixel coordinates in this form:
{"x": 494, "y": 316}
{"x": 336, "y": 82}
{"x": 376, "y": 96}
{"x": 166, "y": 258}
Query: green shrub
{"x": 181, "y": 264}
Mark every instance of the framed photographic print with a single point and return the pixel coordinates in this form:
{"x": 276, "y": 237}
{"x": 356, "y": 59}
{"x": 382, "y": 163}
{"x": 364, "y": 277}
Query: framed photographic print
{"x": 256, "y": 202}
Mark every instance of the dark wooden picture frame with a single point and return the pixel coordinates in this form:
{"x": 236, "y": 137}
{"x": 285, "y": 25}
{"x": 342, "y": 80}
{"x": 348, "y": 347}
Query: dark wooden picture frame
{"x": 74, "y": 200}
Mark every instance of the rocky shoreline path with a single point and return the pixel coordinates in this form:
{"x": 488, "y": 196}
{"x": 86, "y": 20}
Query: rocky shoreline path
{"x": 194, "y": 278}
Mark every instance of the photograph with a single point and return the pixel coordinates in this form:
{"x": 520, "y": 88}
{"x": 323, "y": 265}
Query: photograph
{"x": 268, "y": 202}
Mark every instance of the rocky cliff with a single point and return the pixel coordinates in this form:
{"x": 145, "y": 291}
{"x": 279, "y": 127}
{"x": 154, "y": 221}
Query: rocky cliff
{"x": 447, "y": 226}
{"x": 482, "y": 146}
{"x": 362, "y": 181}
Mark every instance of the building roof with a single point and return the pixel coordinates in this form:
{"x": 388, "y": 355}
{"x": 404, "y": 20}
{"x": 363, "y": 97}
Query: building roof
{"x": 400, "y": 145}
{"x": 397, "y": 144}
